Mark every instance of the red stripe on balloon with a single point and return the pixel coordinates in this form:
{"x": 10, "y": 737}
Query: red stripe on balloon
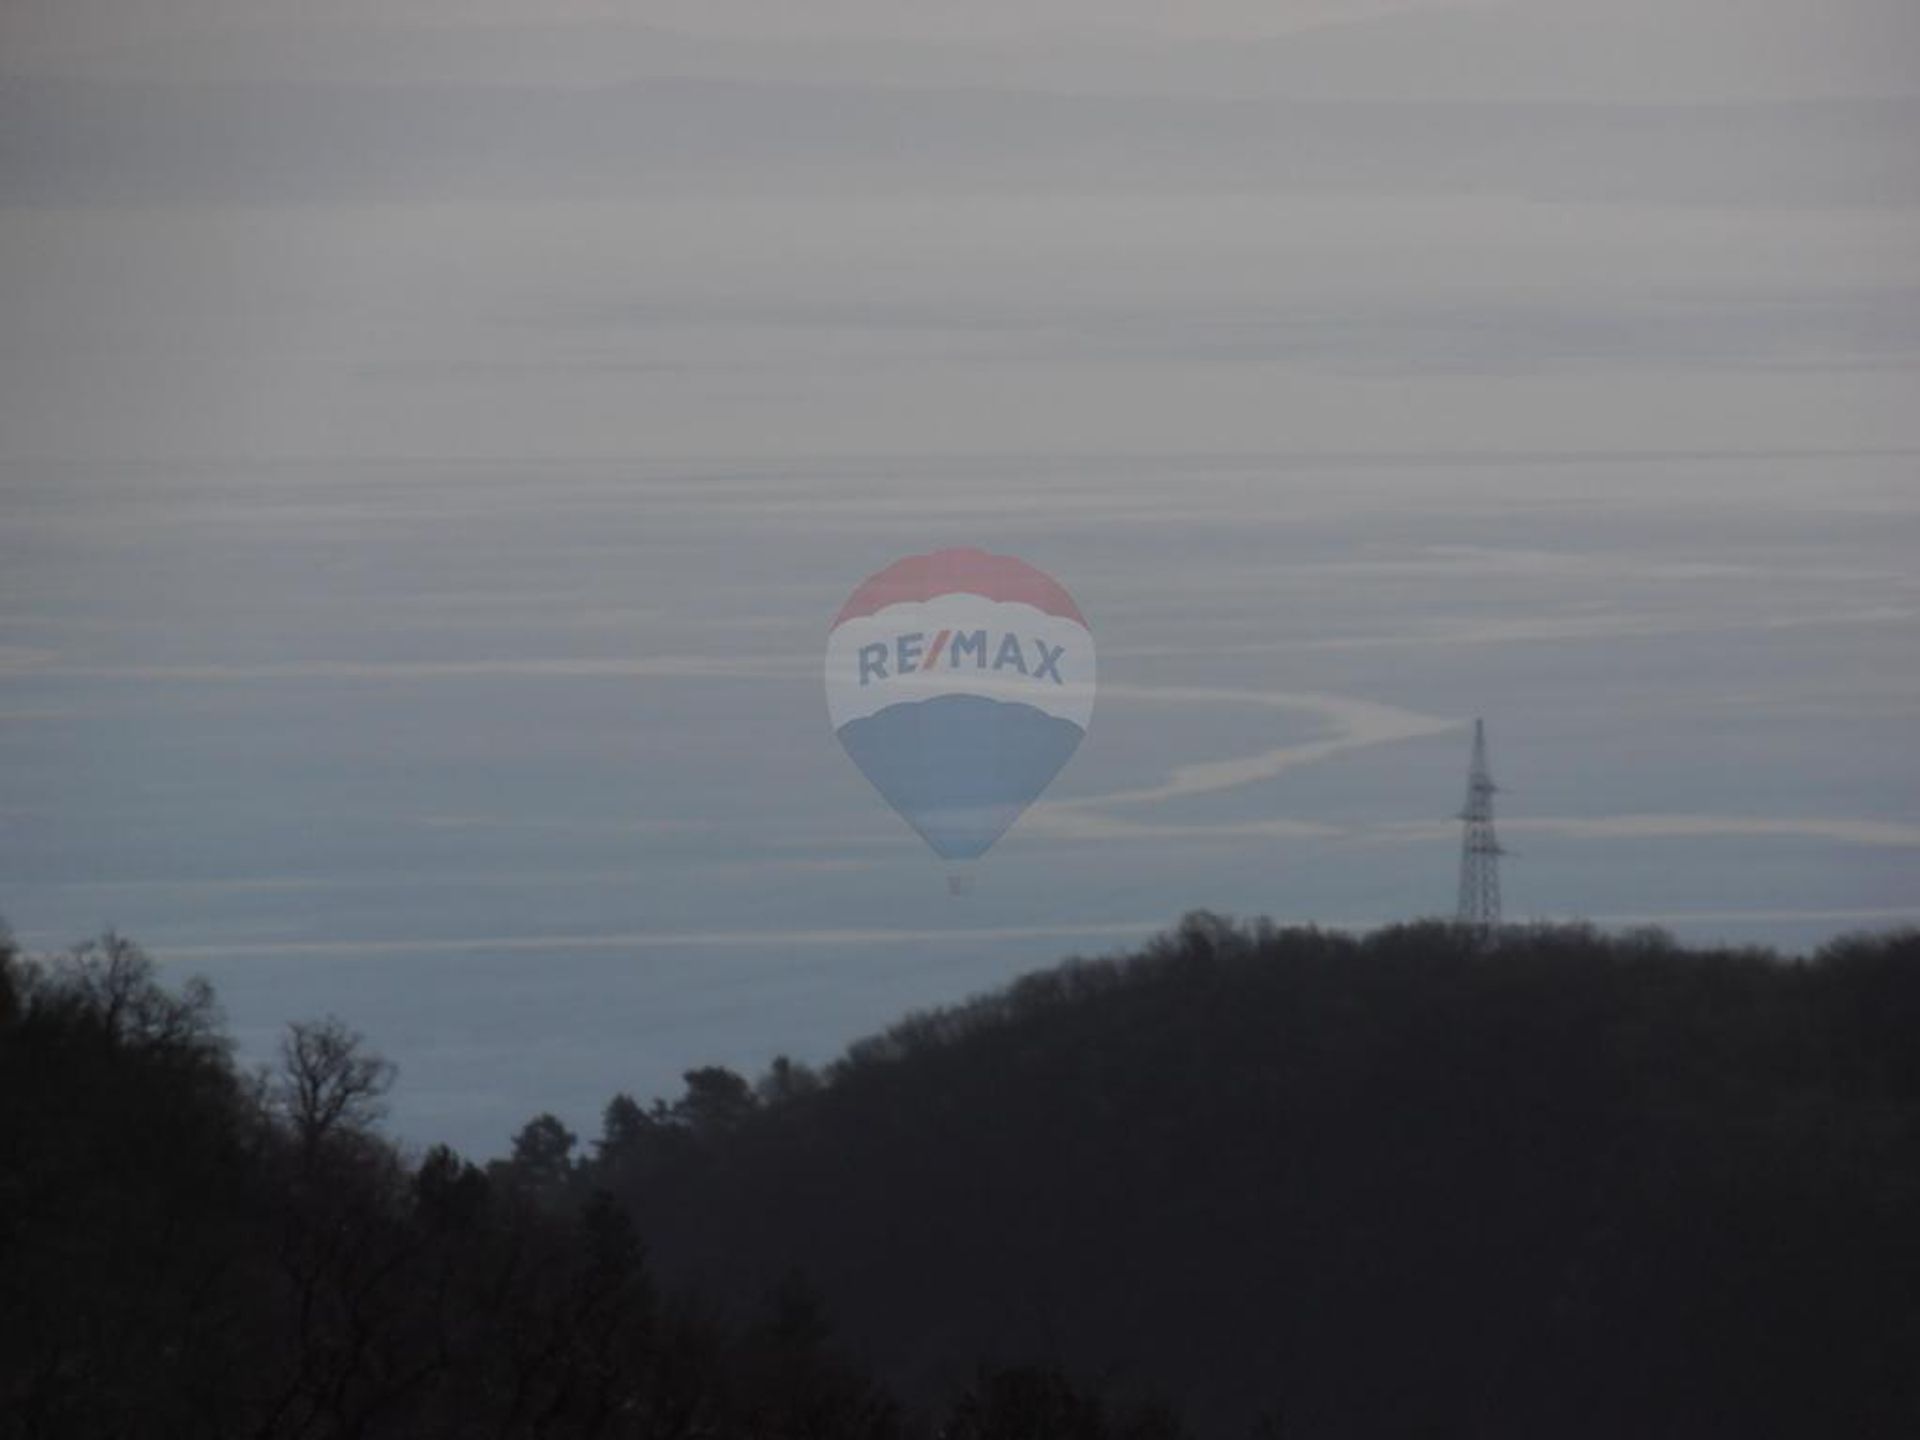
{"x": 919, "y": 578}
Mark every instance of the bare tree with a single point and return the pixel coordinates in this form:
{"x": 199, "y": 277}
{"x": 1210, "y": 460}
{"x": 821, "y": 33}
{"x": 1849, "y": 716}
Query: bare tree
{"x": 114, "y": 980}
{"x": 328, "y": 1083}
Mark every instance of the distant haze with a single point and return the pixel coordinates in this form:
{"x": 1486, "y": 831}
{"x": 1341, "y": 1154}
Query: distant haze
{"x": 434, "y": 439}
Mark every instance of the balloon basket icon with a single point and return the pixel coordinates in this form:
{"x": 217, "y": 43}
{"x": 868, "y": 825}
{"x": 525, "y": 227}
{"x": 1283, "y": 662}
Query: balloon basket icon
{"x": 959, "y": 882}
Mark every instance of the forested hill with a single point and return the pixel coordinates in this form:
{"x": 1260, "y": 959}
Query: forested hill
{"x": 1394, "y": 1185}
{"x": 1290, "y": 1183}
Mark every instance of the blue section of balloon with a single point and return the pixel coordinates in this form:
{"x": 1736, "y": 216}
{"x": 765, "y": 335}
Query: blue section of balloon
{"x": 960, "y": 768}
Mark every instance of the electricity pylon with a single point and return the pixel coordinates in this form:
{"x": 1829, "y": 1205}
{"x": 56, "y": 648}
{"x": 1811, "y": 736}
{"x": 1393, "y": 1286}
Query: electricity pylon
{"x": 1479, "y": 848}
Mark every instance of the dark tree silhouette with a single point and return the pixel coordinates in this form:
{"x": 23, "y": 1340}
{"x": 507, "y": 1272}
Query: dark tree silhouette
{"x": 716, "y": 1102}
{"x": 1403, "y": 1182}
{"x": 1561, "y": 1184}
{"x": 328, "y": 1083}
{"x": 543, "y": 1152}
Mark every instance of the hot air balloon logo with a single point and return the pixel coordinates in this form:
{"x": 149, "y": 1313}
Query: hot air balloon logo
{"x": 960, "y": 682}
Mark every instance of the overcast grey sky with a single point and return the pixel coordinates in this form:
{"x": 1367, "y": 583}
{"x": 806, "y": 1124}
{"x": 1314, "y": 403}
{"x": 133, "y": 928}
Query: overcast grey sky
{"x": 435, "y": 437}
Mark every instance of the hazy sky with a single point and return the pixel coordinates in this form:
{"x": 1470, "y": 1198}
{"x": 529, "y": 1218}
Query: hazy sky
{"x": 434, "y": 439}
{"x": 75, "y": 23}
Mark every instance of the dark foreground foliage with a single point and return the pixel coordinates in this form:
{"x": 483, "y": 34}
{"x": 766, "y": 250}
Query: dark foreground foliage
{"x": 1298, "y": 1184}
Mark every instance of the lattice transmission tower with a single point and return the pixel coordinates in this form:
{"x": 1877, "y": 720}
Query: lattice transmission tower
{"x": 1479, "y": 847}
